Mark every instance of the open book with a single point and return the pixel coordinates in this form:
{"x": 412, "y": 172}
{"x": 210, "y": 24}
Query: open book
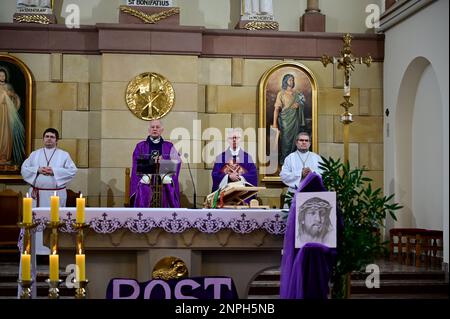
{"x": 232, "y": 194}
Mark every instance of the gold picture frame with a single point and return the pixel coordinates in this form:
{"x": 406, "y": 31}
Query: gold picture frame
{"x": 273, "y": 144}
{"x": 15, "y": 116}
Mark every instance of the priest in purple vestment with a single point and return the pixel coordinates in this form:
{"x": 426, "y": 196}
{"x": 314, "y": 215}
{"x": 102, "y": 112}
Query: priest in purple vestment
{"x": 141, "y": 188}
{"x": 234, "y": 164}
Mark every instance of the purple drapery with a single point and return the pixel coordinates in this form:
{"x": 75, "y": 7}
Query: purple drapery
{"x": 305, "y": 272}
{"x": 142, "y": 193}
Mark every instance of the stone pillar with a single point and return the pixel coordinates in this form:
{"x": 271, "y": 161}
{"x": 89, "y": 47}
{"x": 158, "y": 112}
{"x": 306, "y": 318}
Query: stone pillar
{"x": 312, "y": 20}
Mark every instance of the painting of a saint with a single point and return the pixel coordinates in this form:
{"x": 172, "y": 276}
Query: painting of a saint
{"x": 288, "y": 106}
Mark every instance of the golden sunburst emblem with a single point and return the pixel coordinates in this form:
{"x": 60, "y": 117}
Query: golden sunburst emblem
{"x": 150, "y": 96}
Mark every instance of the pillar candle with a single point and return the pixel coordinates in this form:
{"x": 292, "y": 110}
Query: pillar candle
{"x": 81, "y": 203}
{"x": 54, "y": 208}
{"x": 27, "y": 205}
{"x": 81, "y": 266}
{"x": 54, "y": 267}
{"x": 26, "y": 267}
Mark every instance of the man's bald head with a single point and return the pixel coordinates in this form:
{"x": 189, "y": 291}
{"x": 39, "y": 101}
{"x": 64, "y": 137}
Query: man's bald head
{"x": 155, "y": 128}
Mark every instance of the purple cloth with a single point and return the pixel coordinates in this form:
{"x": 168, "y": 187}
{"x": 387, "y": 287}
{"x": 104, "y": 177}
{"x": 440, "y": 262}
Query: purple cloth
{"x": 243, "y": 159}
{"x": 305, "y": 272}
{"x": 141, "y": 194}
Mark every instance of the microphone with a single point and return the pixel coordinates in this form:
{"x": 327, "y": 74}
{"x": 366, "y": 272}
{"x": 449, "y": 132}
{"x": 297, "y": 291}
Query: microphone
{"x": 192, "y": 179}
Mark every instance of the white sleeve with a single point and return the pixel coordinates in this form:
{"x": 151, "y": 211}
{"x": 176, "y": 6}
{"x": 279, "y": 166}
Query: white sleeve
{"x": 65, "y": 173}
{"x": 29, "y": 171}
{"x": 289, "y": 175}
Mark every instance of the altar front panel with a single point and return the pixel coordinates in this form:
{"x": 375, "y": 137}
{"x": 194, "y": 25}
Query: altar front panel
{"x": 128, "y": 242}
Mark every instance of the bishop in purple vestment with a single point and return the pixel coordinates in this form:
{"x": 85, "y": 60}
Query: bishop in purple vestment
{"x": 234, "y": 165}
{"x": 141, "y": 188}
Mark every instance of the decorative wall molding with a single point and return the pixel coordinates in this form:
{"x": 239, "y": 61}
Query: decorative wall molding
{"x": 400, "y": 11}
{"x": 182, "y": 40}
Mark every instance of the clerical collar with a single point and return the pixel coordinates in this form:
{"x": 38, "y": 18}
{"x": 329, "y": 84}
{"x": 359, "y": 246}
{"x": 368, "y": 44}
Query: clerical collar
{"x": 154, "y": 140}
{"x": 302, "y": 151}
{"x": 236, "y": 152}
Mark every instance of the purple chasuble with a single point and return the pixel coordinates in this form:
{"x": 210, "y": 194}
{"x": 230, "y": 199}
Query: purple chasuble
{"x": 243, "y": 159}
{"x": 142, "y": 193}
{"x": 305, "y": 272}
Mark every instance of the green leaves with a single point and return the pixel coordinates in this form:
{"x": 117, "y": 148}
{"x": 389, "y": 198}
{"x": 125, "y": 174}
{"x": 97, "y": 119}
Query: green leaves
{"x": 363, "y": 209}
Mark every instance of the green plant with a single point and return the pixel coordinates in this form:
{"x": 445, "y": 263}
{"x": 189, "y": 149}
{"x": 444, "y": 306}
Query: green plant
{"x": 363, "y": 211}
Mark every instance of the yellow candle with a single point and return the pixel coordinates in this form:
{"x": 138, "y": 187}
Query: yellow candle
{"x": 54, "y": 208}
{"x": 26, "y": 267}
{"x": 54, "y": 267}
{"x": 81, "y": 267}
{"x": 81, "y": 203}
{"x": 27, "y": 205}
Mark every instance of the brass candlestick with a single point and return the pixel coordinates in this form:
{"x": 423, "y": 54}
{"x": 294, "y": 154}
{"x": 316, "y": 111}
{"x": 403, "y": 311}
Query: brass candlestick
{"x": 53, "y": 290}
{"x": 26, "y": 285}
{"x": 25, "y": 291}
{"x": 26, "y": 243}
{"x": 80, "y": 285}
{"x": 80, "y": 290}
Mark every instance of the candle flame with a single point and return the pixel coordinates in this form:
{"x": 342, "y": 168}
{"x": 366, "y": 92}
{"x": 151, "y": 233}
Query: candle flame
{"x": 54, "y": 193}
{"x": 28, "y": 195}
{"x": 81, "y": 195}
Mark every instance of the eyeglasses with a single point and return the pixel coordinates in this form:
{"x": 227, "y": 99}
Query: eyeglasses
{"x": 302, "y": 140}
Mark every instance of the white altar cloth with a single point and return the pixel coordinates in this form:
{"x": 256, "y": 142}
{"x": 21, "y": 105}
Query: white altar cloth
{"x": 172, "y": 220}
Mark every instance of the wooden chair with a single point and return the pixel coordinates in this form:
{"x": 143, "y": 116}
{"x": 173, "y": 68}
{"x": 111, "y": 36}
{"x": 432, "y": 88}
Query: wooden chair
{"x": 429, "y": 246}
{"x": 403, "y": 243}
{"x": 414, "y": 244}
{"x": 10, "y": 212}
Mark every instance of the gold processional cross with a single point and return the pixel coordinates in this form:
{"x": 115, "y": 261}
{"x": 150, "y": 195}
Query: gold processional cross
{"x": 346, "y": 62}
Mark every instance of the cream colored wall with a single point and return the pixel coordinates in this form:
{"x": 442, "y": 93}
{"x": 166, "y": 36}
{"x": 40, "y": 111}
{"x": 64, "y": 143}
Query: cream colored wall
{"x": 342, "y": 15}
{"x": 406, "y": 63}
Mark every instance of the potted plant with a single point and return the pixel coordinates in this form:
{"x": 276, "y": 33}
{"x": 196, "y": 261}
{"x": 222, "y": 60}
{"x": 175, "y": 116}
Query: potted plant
{"x": 363, "y": 211}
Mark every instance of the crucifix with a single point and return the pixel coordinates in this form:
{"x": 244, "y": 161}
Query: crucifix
{"x": 346, "y": 62}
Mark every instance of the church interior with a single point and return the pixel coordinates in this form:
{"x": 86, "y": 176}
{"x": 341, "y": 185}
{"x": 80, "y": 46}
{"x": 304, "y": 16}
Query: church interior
{"x": 220, "y": 61}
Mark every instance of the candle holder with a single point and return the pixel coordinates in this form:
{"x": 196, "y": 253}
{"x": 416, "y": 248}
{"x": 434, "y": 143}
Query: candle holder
{"x": 26, "y": 285}
{"x": 54, "y": 226}
{"x": 53, "y": 290}
{"x": 80, "y": 290}
{"x": 80, "y": 227}
{"x": 26, "y": 243}
{"x": 25, "y": 291}
{"x": 80, "y": 285}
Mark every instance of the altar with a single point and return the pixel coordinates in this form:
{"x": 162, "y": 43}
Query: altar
{"x": 128, "y": 242}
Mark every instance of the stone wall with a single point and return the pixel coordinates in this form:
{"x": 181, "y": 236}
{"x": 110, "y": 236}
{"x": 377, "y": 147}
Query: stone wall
{"x": 83, "y": 96}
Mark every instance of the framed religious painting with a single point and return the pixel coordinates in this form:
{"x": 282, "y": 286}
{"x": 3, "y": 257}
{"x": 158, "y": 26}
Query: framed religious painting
{"x": 287, "y": 106}
{"x": 15, "y": 116}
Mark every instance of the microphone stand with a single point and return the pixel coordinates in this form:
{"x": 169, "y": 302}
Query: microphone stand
{"x": 192, "y": 180}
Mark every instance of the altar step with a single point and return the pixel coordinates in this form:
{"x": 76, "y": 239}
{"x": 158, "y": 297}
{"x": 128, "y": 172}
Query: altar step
{"x": 9, "y": 273}
{"x": 396, "y": 282}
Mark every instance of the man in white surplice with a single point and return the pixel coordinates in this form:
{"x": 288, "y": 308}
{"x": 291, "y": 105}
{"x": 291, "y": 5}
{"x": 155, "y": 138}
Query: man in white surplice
{"x": 48, "y": 170}
{"x": 299, "y": 164}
